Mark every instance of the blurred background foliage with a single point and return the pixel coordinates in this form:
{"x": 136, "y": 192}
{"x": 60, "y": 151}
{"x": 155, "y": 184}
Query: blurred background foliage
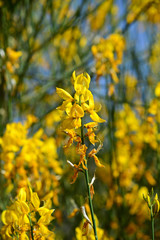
{"x": 118, "y": 43}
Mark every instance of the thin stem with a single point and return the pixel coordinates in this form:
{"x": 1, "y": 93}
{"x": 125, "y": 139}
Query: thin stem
{"x": 29, "y": 216}
{"x": 90, "y": 202}
{"x": 17, "y": 237}
{"x": 152, "y": 223}
{"x": 87, "y": 183}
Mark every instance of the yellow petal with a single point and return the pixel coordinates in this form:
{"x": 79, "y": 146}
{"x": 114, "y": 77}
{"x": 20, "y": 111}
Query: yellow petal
{"x": 22, "y": 207}
{"x": 82, "y": 82}
{"x": 77, "y": 111}
{"x": 73, "y": 213}
{"x": 25, "y": 208}
{"x": 92, "y": 139}
{"x": 157, "y": 90}
{"x": 22, "y": 195}
{"x": 3, "y": 217}
{"x": 9, "y": 216}
{"x": 91, "y": 100}
{"x": 94, "y": 116}
{"x": 35, "y": 200}
{"x": 91, "y": 125}
{"x": 23, "y": 236}
{"x": 73, "y": 78}
{"x": 67, "y": 124}
{"x": 9, "y": 231}
{"x": 97, "y": 106}
{"x": 111, "y": 90}
{"x": 44, "y": 230}
{"x": 42, "y": 210}
{"x": 63, "y": 94}
{"x": 114, "y": 76}
{"x": 97, "y": 162}
{"x": 46, "y": 218}
{"x": 66, "y": 106}
{"x": 76, "y": 123}
{"x": 13, "y": 55}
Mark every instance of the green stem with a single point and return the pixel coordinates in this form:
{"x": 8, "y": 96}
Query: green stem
{"x": 90, "y": 202}
{"x": 17, "y": 237}
{"x": 88, "y": 186}
{"x": 29, "y": 216}
{"x": 152, "y": 223}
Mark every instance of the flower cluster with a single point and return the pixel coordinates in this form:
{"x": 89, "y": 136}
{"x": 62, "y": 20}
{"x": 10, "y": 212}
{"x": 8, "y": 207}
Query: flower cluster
{"x": 75, "y": 108}
{"x": 26, "y": 219}
{"x": 82, "y": 102}
{"x": 67, "y": 45}
{"x": 152, "y": 202}
{"x": 108, "y": 55}
{"x": 35, "y": 156}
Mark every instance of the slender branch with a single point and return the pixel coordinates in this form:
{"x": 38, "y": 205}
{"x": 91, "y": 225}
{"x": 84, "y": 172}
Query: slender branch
{"x": 152, "y": 223}
{"x": 143, "y": 10}
{"x": 87, "y": 183}
{"x": 31, "y": 225}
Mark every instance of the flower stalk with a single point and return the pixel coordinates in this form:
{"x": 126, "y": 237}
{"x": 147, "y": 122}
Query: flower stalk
{"x": 75, "y": 108}
{"x": 31, "y": 226}
{"x": 152, "y": 223}
{"x": 88, "y": 190}
{"x": 153, "y": 205}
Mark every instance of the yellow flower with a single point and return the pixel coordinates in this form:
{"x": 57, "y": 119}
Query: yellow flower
{"x": 108, "y": 55}
{"x": 81, "y": 82}
{"x": 157, "y": 90}
{"x": 81, "y": 150}
{"x": 20, "y": 215}
{"x": 64, "y": 94}
{"x": 13, "y": 55}
{"x": 152, "y": 202}
{"x": 90, "y": 131}
{"x": 74, "y": 117}
{"x": 93, "y": 154}
{"x": 73, "y": 137}
{"x": 82, "y": 102}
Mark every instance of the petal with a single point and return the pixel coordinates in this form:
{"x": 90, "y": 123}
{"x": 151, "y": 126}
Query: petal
{"x": 92, "y": 138}
{"x": 94, "y": 116}
{"x": 22, "y": 195}
{"x": 157, "y": 90}
{"x": 66, "y": 106}
{"x": 75, "y": 176}
{"x": 73, "y": 78}
{"x": 91, "y": 100}
{"x": 3, "y": 217}
{"x": 97, "y": 162}
{"x": 42, "y": 210}
{"x": 77, "y": 123}
{"x": 63, "y": 94}
{"x": 24, "y": 236}
{"x": 114, "y": 76}
{"x": 67, "y": 123}
{"x": 35, "y": 200}
{"x": 77, "y": 111}
{"x": 22, "y": 207}
{"x": 97, "y": 106}
{"x": 82, "y": 82}
{"x": 91, "y": 125}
